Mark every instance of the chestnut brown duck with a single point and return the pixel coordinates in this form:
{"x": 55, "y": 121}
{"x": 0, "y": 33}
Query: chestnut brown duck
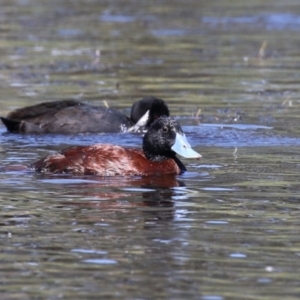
{"x": 161, "y": 143}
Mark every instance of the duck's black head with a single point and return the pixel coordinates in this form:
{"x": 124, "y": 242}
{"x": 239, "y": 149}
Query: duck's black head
{"x": 164, "y": 139}
{"x": 153, "y": 107}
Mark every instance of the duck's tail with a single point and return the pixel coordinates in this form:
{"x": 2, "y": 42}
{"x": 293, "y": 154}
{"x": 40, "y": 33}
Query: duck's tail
{"x": 11, "y": 125}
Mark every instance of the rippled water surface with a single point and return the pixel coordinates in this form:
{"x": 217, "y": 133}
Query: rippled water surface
{"x": 226, "y": 229}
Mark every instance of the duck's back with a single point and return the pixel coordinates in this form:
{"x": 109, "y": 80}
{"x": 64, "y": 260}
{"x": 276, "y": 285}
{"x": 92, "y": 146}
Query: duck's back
{"x": 85, "y": 118}
{"x": 67, "y": 116}
{"x": 104, "y": 160}
{"x": 33, "y": 112}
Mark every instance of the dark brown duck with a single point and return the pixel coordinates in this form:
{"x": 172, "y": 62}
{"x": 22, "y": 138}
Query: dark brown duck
{"x": 70, "y": 116}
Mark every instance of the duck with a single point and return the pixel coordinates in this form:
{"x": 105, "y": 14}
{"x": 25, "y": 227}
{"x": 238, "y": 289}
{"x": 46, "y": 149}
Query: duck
{"x": 163, "y": 140}
{"x": 71, "y": 117}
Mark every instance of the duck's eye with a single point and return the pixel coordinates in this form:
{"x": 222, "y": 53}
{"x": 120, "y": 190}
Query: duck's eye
{"x": 165, "y": 129}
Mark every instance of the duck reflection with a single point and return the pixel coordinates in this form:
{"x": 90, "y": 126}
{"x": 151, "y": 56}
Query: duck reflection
{"x": 153, "y": 196}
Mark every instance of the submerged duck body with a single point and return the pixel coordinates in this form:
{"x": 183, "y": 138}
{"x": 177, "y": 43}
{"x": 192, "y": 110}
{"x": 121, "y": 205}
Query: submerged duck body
{"x": 162, "y": 141}
{"x": 70, "y": 116}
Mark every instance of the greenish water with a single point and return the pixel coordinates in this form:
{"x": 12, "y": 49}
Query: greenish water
{"x": 228, "y": 228}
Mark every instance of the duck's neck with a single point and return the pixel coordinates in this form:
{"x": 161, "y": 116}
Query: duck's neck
{"x": 172, "y": 155}
{"x": 180, "y": 165}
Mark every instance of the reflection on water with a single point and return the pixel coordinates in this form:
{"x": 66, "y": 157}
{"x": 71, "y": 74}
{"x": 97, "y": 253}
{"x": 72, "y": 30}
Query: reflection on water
{"x": 273, "y": 21}
{"x": 229, "y": 226}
